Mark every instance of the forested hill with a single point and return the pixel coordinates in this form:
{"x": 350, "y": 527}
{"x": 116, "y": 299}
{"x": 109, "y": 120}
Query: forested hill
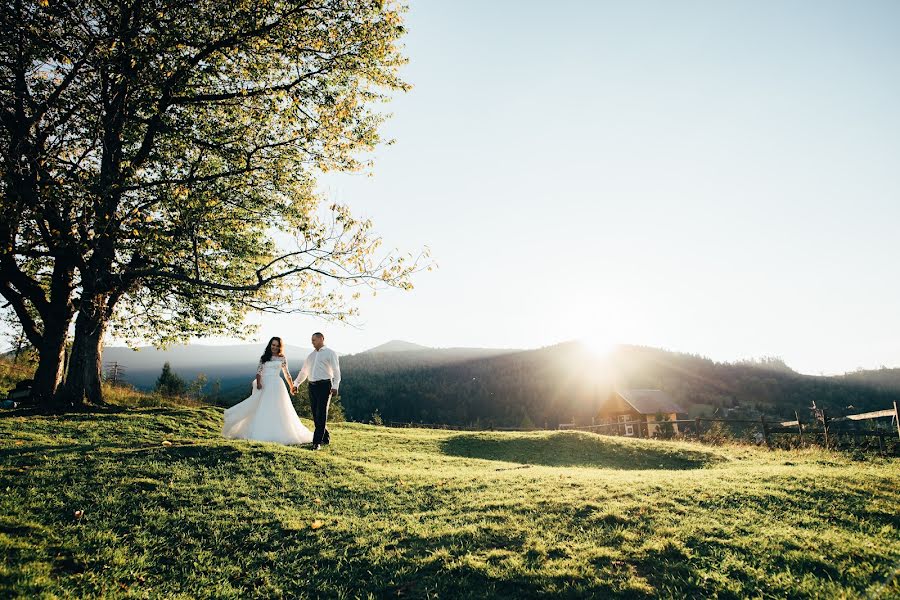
{"x": 478, "y": 386}
{"x": 555, "y": 384}
{"x": 883, "y": 378}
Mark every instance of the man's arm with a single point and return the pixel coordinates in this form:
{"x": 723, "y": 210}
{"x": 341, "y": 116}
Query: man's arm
{"x": 336, "y": 375}
{"x": 303, "y": 374}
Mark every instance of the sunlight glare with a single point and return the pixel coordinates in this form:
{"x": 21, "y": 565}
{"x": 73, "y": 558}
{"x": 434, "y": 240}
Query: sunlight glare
{"x": 598, "y": 344}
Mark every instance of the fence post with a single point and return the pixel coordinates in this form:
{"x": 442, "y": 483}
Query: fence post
{"x": 765, "y": 429}
{"x": 697, "y": 427}
{"x": 897, "y": 417}
{"x": 825, "y": 426}
{"x": 799, "y": 426}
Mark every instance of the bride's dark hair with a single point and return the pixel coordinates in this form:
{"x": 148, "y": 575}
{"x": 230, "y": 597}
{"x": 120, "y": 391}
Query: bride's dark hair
{"x": 267, "y": 354}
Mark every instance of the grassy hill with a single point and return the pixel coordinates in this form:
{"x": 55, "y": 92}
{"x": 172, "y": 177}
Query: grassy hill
{"x": 425, "y": 513}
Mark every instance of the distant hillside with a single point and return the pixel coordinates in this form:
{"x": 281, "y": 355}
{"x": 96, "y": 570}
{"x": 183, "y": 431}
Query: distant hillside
{"x": 393, "y": 361}
{"x": 396, "y": 346}
{"x": 231, "y": 365}
{"x": 234, "y": 366}
{"x": 559, "y": 383}
{"x": 466, "y": 386}
{"x": 883, "y": 378}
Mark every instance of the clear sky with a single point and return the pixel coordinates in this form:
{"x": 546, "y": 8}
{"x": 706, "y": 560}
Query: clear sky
{"x": 715, "y": 177}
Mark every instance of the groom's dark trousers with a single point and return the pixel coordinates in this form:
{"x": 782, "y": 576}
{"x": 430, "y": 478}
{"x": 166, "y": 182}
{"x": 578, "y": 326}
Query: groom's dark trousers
{"x": 320, "y": 398}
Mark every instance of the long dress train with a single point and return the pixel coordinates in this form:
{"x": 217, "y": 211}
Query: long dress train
{"x": 267, "y": 415}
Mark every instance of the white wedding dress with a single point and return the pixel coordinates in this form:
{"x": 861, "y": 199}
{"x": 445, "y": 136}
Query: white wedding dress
{"x": 267, "y": 415}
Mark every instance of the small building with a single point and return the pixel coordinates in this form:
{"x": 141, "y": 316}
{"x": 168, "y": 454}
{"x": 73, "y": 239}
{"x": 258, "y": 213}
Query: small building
{"x": 638, "y": 412}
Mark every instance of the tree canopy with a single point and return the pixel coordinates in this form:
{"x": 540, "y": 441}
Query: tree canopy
{"x": 160, "y": 161}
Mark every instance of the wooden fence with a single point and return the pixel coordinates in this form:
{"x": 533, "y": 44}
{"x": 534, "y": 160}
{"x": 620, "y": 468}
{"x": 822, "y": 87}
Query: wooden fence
{"x": 826, "y": 426}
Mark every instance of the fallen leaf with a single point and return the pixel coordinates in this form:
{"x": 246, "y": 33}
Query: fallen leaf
{"x": 318, "y": 500}
{"x": 166, "y": 443}
{"x": 317, "y": 524}
{"x": 79, "y": 514}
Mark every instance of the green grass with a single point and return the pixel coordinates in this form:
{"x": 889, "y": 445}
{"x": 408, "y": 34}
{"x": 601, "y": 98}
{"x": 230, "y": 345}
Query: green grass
{"x": 11, "y": 374}
{"x": 425, "y": 513}
{"x": 126, "y": 397}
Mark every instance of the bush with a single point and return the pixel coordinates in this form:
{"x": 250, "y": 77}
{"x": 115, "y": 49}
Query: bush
{"x": 718, "y": 433}
{"x": 336, "y": 411}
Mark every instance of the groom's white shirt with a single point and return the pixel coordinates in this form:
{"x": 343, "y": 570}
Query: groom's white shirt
{"x": 321, "y": 364}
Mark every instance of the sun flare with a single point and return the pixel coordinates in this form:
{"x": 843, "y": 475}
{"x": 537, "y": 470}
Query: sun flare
{"x": 598, "y": 344}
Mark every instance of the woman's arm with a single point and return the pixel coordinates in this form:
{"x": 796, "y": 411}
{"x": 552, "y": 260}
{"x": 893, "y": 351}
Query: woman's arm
{"x": 259, "y": 371}
{"x": 287, "y": 373}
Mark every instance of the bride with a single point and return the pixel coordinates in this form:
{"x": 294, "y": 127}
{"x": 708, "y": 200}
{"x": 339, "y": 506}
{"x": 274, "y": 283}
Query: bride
{"x": 268, "y": 415}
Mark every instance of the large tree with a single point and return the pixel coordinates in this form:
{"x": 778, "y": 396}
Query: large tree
{"x": 37, "y": 265}
{"x": 160, "y": 160}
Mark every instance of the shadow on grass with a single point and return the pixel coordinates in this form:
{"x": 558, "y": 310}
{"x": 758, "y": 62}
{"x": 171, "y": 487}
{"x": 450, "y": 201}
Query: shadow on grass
{"x": 111, "y": 411}
{"x": 55, "y": 411}
{"x": 114, "y": 412}
{"x": 576, "y": 450}
{"x": 453, "y": 565}
{"x": 200, "y": 453}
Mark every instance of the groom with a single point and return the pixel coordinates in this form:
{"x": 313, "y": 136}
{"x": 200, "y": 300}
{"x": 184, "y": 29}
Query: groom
{"x": 324, "y": 373}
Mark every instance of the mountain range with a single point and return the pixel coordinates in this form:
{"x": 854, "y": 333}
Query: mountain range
{"x": 402, "y": 381}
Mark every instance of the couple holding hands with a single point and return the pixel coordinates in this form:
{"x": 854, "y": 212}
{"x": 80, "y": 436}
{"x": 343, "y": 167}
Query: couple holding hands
{"x": 268, "y": 414}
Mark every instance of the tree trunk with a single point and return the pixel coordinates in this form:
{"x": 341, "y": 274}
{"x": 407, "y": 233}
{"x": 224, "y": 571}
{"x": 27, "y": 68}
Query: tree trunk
{"x": 86, "y": 363}
{"x": 51, "y": 364}
{"x": 55, "y": 316}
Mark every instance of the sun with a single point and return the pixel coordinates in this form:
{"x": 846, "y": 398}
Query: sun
{"x": 599, "y": 344}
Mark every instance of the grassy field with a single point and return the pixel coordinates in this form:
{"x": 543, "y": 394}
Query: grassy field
{"x": 424, "y": 513}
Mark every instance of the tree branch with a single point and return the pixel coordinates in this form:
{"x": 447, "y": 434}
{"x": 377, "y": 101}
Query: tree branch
{"x": 252, "y": 93}
{"x": 17, "y": 301}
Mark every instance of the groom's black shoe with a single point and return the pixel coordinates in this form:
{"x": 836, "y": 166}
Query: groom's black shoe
{"x": 316, "y": 447}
